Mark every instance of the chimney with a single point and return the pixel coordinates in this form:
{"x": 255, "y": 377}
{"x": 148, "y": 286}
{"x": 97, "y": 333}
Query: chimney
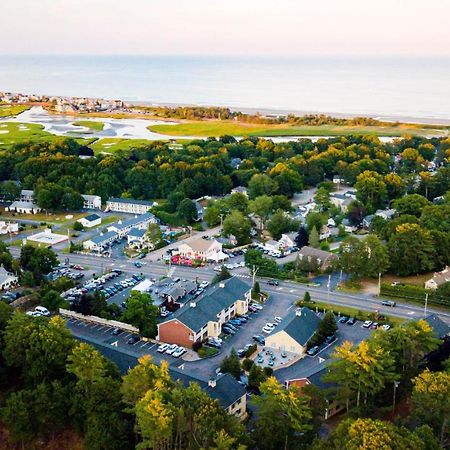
{"x": 120, "y": 222}
{"x": 298, "y": 312}
{"x": 212, "y": 383}
{"x": 222, "y": 285}
{"x": 192, "y": 305}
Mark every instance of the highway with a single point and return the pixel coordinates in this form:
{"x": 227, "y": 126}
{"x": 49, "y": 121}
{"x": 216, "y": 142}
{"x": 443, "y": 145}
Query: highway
{"x": 289, "y": 289}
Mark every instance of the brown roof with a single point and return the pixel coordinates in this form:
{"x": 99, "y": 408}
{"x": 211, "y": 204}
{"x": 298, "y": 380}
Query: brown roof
{"x": 316, "y": 253}
{"x": 200, "y": 245}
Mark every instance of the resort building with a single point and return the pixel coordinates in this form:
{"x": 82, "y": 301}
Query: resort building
{"x": 90, "y": 221}
{"x": 202, "y": 249}
{"x": 128, "y": 205}
{"x": 140, "y": 222}
{"x": 23, "y": 207}
{"x": 92, "y": 202}
{"x": 99, "y": 242}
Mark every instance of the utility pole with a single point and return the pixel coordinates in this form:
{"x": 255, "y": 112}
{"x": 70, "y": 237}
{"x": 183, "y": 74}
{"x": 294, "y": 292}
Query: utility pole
{"x": 426, "y": 305}
{"x": 379, "y": 284}
{"x": 221, "y": 221}
{"x": 328, "y": 288}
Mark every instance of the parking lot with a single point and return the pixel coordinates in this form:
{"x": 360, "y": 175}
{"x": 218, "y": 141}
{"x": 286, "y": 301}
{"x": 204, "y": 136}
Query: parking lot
{"x": 103, "y": 335}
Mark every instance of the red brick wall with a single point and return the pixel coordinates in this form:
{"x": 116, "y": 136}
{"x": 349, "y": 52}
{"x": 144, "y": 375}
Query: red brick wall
{"x": 174, "y": 332}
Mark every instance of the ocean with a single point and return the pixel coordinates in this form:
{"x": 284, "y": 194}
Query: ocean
{"x": 387, "y": 87}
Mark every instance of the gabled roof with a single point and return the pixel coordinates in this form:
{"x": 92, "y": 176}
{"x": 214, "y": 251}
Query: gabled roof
{"x": 136, "y": 232}
{"x": 90, "y": 197}
{"x": 312, "y": 252}
{"x": 200, "y": 245}
{"x": 300, "y": 326}
{"x": 440, "y": 328}
{"x": 133, "y": 221}
{"x": 211, "y": 303}
{"x": 101, "y": 238}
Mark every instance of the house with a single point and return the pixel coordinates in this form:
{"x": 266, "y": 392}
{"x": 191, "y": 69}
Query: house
{"x": 324, "y": 259}
{"x": 324, "y": 233}
{"x": 341, "y": 201}
{"x": 92, "y": 202}
{"x": 348, "y": 227}
{"x": 314, "y": 376}
{"x": 141, "y": 222}
{"x": 338, "y": 179}
{"x": 331, "y": 222}
{"x": 198, "y": 320}
{"x": 7, "y": 279}
{"x": 26, "y": 195}
{"x": 9, "y": 227}
{"x": 200, "y": 210}
{"x": 235, "y": 163}
{"x": 137, "y": 237}
{"x": 128, "y": 205}
{"x": 367, "y": 221}
{"x": 272, "y": 246}
{"x": 440, "y": 328}
{"x": 23, "y": 207}
{"x": 294, "y": 332}
{"x": 386, "y": 214}
{"x": 203, "y": 249}
{"x": 90, "y": 221}
{"x": 438, "y": 278}
{"x": 304, "y": 210}
{"x": 287, "y": 241}
{"x": 240, "y": 190}
{"x": 99, "y": 242}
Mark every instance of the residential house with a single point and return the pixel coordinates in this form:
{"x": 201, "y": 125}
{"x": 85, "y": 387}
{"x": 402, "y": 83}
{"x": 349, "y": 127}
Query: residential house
{"x": 129, "y": 205}
{"x": 202, "y": 249}
{"x": 439, "y": 327}
{"x": 342, "y": 201}
{"x": 348, "y": 227}
{"x": 8, "y": 227}
{"x": 137, "y": 237}
{"x": 324, "y": 259}
{"x": 90, "y": 221}
{"x": 7, "y": 279}
{"x": 287, "y": 241}
{"x": 200, "y": 210}
{"x": 26, "y": 195}
{"x": 272, "y": 246}
{"x": 240, "y": 190}
{"x": 294, "y": 332}
{"x": 23, "y": 207}
{"x": 100, "y": 242}
{"x": 438, "y": 278}
{"x": 198, "y": 320}
{"x": 92, "y": 202}
{"x": 367, "y": 221}
{"x": 141, "y": 222}
{"x": 386, "y": 214}
{"x": 324, "y": 233}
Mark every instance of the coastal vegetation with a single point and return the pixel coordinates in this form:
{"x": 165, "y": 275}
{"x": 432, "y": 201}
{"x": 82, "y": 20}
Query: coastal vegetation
{"x": 10, "y": 110}
{"x": 219, "y": 128}
{"x": 90, "y": 124}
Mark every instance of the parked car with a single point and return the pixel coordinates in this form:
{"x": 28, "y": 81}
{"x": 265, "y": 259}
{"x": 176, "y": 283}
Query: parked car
{"x": 374, "y": 326}
{"x": 267, "y": 329}
{"x": 385, "y": 327}
{"x": 259, "y": 339}
{"x": 241, "y": 352}
{"x": 257, "y": 306}
{"x": 367, "y": 324}
{"x": 162, "y": 348}
{"x": 116, "y": 331}
{"x": 171, "y": 349}
{"x": 227, "y": 330}
{"x": 133, "y": 339}
{"x": 178, "y": 352}
{"x": 312, "y": 351}
{"x": 351, "y": 321}
{"x": 277, "y": 320}
{"x": 330, "y": 339}
{"x": 343, "y": 319}
{"x": 231, "y": 326}
{"x": 42, "y": 311}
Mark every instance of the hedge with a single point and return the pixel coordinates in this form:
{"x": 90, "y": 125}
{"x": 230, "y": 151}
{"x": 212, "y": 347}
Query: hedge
{"x": 416, "y": 293}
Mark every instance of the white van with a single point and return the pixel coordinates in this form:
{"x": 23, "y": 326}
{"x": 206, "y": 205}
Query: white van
{"x": 41, "y": 310}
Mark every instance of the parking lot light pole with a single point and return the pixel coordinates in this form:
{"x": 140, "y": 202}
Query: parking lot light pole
{"x": 396, "y": 385}
{"x": 379, "y": 284}
{"x": 426, "y": 305}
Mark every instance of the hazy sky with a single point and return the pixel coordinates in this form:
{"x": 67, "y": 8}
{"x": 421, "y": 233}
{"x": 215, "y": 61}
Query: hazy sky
{"x": 212, "y": 27}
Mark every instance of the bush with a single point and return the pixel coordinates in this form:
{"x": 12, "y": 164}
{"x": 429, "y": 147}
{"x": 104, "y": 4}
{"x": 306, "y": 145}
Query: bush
{"x": 247, "y": 364}
{"x": 196, "y": 346}
{"x": 250, "y": 351}
{"x": 78, "y": 226}
{"x": 416, "y": 293}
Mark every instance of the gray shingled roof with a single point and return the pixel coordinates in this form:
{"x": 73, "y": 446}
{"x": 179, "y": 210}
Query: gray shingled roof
{"x": 92, "y": 217}
{"x": 440, "y": 328}
{"x": 133, "y": 221}
{"x": 100, "y": 239}
{"x": 213, "y": 301}
{"x": 299, "y": 327}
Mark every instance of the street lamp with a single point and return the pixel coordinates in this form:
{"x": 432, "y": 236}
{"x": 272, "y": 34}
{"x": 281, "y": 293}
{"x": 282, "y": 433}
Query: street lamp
{"x": 396, "y": 385}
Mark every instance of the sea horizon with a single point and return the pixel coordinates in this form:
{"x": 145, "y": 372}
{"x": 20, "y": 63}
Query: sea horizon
{"x": 388, "y": 87}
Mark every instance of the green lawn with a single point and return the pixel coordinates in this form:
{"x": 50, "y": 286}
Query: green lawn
{"x": 12, "y": 110}
{"x": 13, "y": 133}
{"x": 92, "y": 125}
{"x": 219, "y": 128}
{"x": 113, "y": 145}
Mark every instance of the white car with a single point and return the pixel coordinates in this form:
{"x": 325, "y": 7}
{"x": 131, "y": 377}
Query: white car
{"x": 203, "y": 284}
{"x": 162, "y": 348}
{"x": 270, "y": 325}
{"x": 178, "y": 352}
{"x": 33, "y": 314}
{"x": 42, "y": 311}
{"x": 385, "y": 327}
{"x": 256, "y": 306}
{"x": 267, "y": 330}
{"x": 367, "y": 324}
{"x": 171, "y": 349}
{"x": 277, "y": 320}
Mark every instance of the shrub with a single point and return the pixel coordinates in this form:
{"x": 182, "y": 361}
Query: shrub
{"x": 247, "y": 364}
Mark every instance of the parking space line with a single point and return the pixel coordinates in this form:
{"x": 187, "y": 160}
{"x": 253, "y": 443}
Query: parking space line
{"x": 145, "y": 343}
{"x": 136, "y": 343}
{"x": 127, "y": 335}
{"x": 103, "y": 327}
{"x": 153, "y": 346}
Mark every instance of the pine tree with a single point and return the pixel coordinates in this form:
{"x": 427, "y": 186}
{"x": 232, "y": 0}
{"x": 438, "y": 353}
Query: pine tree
{"x": 314, "y": 238}
{"x": 302, "y": 237}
